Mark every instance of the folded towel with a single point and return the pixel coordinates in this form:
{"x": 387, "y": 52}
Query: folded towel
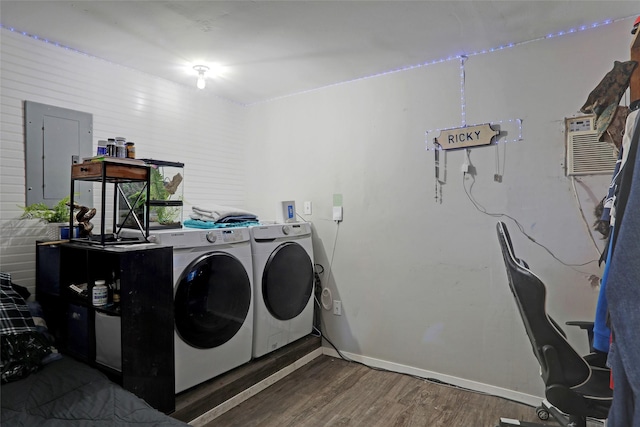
{"x": 226, "y": 218}
{"x": 217, "y": 213}
{"x": 196, "y": 223}
{"x": 237, "y": 218}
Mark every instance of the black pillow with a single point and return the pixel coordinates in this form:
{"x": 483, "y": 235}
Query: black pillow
{"x": 21, "y": 290}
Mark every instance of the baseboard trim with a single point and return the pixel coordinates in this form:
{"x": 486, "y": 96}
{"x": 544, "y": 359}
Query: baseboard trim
{"x": 527, "y": 399}
{"x": 253, "y": 390}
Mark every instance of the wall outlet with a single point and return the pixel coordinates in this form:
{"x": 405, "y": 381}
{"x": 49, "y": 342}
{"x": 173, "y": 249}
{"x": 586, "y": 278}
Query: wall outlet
{"x": 337, "y": 307}
{"x": 307, "y": 208}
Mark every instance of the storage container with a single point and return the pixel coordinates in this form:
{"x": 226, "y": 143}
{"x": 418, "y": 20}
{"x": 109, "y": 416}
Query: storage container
{"x": 165, "y": 203}
{"x": 78, "y": 331}
{"x": 108, "y": 340}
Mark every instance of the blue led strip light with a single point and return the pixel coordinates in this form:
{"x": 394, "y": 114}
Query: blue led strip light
{"x": 431, "y": 146}
{"x": 36, "y": 37}
{"x": 396, "y": 70}
{"x": 457, "y": 57}
{"x": 70, "y": 49}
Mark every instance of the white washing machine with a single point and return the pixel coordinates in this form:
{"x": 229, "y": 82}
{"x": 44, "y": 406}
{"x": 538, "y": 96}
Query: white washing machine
{"x": 213, "y": 301}
{"x": 283, "y": 285}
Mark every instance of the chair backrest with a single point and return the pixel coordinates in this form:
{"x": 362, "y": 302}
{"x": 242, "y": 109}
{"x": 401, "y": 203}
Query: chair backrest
{"x": 530, "y": 296}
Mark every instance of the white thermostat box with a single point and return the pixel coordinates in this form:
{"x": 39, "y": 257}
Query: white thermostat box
{"x": 286, "y": 212}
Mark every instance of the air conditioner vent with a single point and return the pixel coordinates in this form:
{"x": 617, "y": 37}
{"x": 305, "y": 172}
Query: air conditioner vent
{"x": 585, "y": 154}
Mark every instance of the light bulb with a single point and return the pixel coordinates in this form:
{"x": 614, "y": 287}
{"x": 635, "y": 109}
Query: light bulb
{"x": 201, "y": 69}
{"x": 201, "y": 81}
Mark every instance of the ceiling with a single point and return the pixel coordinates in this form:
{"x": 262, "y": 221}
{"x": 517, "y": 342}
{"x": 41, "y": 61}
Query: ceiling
{"x": 270, "y": 49}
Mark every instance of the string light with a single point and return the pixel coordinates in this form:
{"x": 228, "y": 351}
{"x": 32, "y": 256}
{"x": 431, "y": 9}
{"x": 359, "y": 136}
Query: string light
{"x": 451, "y": 58}
{"x": 384, "y": 73}
{"x": 45, "y": 40}
{"x": 70, "y": 49}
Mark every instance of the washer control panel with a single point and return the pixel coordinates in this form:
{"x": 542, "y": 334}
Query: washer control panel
{"x": 233, "y": 236}
{"x": 224, "y": 236}
{"x": 196, "y": 237}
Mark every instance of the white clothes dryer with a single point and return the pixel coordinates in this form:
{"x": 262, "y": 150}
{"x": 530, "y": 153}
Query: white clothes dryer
{"x": 213, "y": 301}
{"x": 283, "y": 285}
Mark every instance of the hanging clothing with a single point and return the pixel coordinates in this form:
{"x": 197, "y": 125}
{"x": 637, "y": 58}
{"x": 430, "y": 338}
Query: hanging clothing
{"x": 601, "y": 330}
{"x": 623, "y": 295}
{"x": 604, "y": 100}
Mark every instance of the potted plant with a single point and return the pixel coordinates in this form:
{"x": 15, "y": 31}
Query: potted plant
{"x": 56, "y": 217}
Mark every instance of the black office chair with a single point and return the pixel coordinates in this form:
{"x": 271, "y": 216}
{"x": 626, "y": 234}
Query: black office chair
{"x": 577, "y": 386}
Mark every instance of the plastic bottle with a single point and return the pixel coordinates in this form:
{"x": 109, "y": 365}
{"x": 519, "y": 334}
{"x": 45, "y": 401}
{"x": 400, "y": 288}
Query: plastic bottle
{"x": 111, "y": 147}
{"x": 102, "y": 148}
{"x": 116, "y": 291}
{"x": 121, "y": 150}
{"x": 100, "y": 293}
{"x": 131, "y": 150}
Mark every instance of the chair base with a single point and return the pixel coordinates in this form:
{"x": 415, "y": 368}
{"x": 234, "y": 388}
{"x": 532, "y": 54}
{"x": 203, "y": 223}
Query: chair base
{"x": 508, "y": 422}
{"x": 543, "y": 413}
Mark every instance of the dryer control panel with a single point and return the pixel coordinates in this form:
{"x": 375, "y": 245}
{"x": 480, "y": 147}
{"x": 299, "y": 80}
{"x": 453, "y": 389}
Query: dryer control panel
{"x": 275, "y": 231}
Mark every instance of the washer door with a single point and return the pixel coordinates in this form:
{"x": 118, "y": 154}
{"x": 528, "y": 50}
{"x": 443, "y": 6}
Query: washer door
{"x": 212, "y": 300}
{"x": 287, "y": 281}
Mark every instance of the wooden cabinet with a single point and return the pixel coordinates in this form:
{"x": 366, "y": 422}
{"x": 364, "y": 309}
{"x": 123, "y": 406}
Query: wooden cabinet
{"x": 144, "y": 314}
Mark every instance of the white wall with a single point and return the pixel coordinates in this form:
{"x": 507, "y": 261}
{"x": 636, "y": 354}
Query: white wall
{"x": 422, "y": 283}
{"x": 165, "y": 120}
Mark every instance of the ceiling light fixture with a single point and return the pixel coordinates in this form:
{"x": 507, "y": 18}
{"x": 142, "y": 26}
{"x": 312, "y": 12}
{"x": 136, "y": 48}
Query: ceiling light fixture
{"x": 201, "y": 69}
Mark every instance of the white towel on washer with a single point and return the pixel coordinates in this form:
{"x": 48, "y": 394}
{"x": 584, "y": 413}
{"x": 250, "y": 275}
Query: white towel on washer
{"x": 217, "y": 213}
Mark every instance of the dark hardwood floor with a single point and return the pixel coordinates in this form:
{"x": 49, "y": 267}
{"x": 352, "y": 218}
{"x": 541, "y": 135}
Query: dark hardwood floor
{"x": 332, "y": 392}
{"x": 198, "y": 400}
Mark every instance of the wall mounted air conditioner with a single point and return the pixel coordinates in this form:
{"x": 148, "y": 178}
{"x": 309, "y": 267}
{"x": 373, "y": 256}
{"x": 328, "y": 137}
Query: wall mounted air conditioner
{"x": 585, "y": 154}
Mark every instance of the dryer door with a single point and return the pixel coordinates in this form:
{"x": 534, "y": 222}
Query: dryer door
{"x": 212, "y": 300}
{"x": 287, "y": 281}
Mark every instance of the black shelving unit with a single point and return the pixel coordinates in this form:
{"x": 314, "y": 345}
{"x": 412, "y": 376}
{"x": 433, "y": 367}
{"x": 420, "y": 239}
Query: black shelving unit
{"x": 145, "y": 310}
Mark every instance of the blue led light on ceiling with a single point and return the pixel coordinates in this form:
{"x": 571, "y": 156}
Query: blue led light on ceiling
{"x": 36, "y": 37}
{"x": 392, "y": 71}
{"x": 70, "y": 49}
{"x": 456, "y": 57}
